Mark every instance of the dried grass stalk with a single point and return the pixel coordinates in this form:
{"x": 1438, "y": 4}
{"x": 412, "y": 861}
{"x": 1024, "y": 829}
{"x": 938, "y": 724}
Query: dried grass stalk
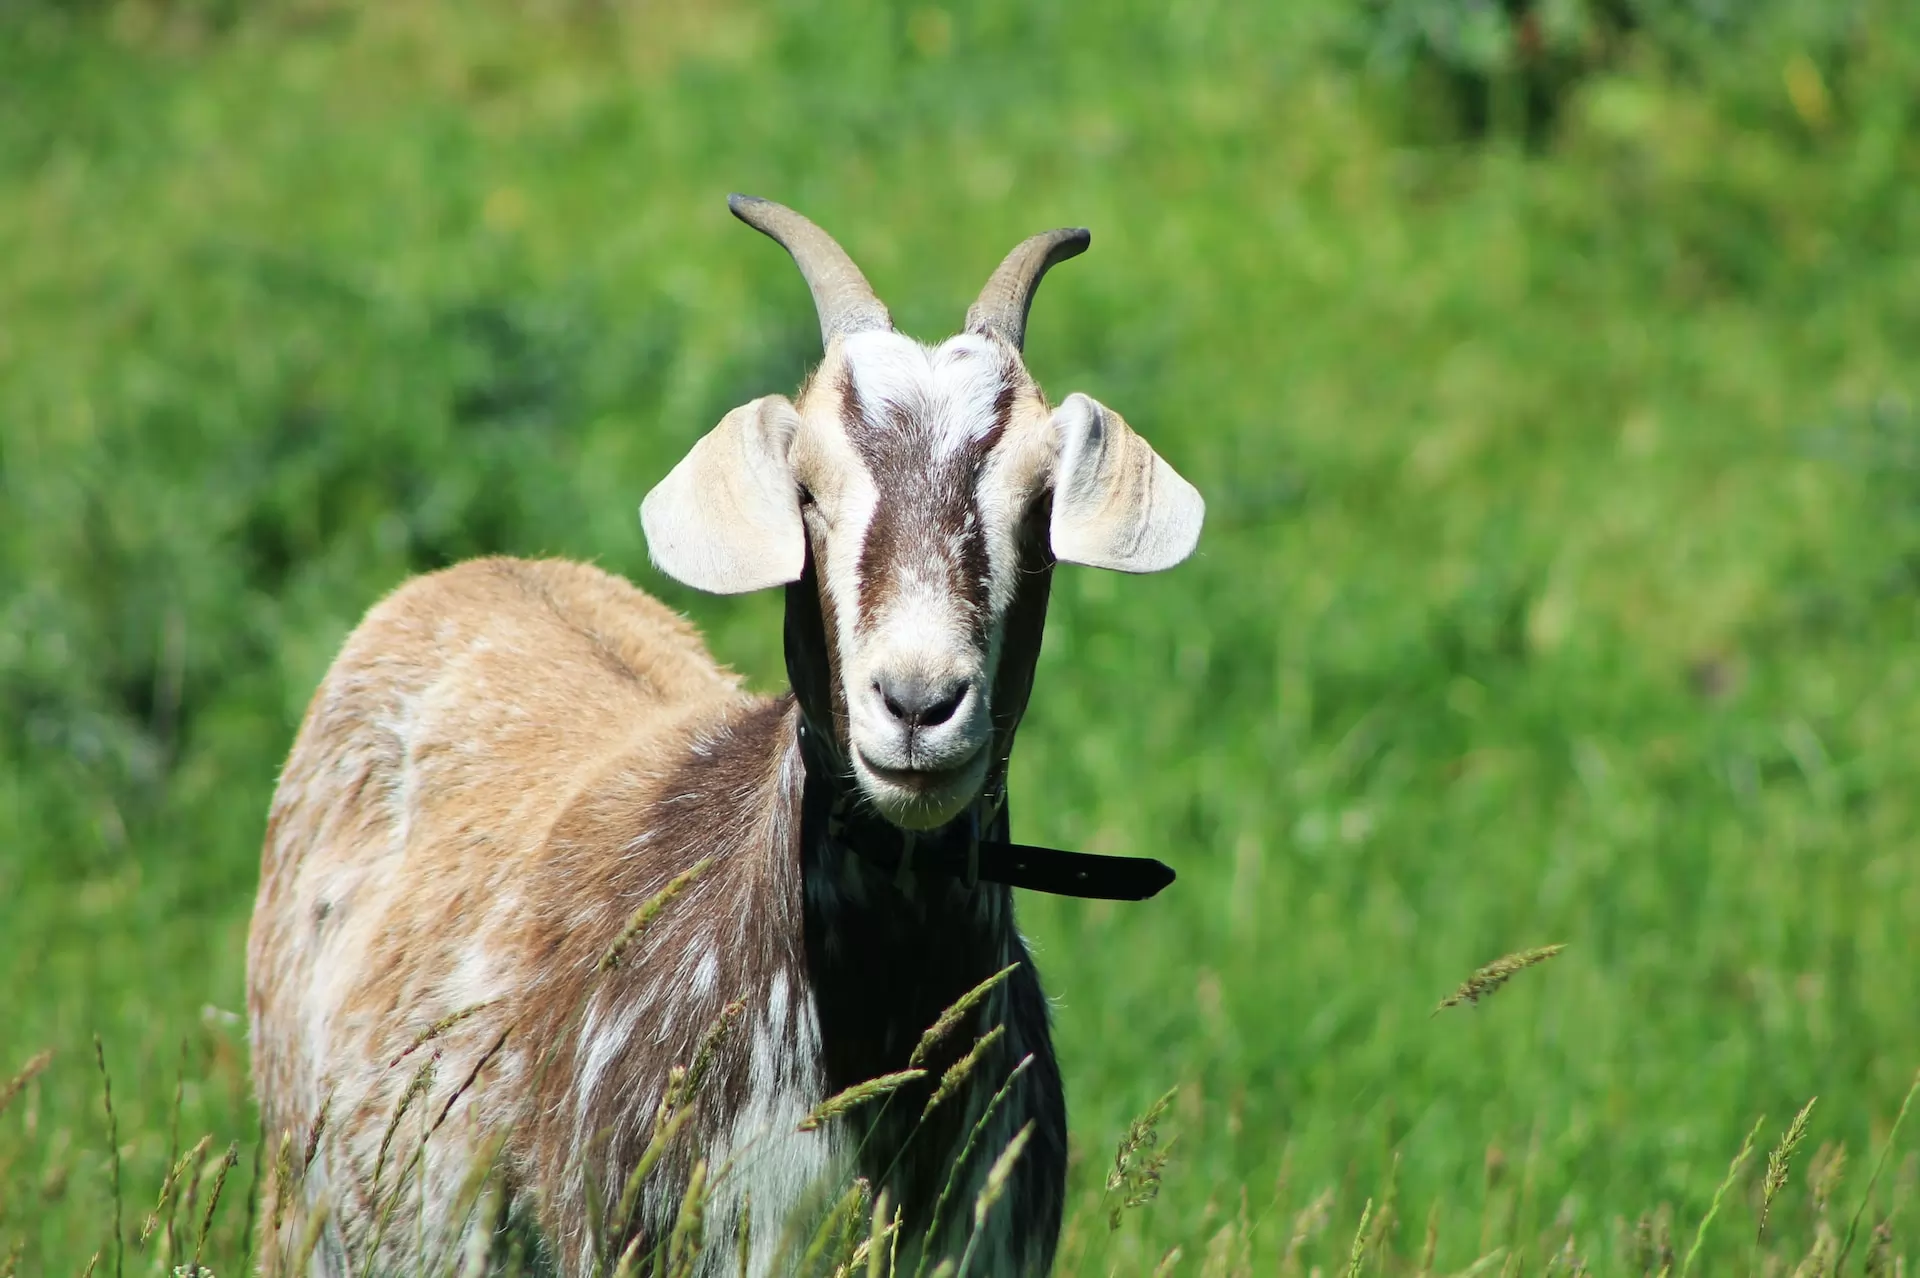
{"x": 466, "y": 1084}
{"x": 113, "y": 1150}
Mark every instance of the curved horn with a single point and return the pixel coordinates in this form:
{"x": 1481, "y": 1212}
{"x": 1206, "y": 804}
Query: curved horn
{"x": 841, "y": 294}
{"x": 1001, "y": 309}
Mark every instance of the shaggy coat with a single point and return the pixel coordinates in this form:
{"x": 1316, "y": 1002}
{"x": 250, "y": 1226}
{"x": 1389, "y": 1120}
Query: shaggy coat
{"x": 506, "y": 760}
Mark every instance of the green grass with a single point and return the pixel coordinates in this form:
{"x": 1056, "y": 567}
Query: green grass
{"x": 1559, "y": 586}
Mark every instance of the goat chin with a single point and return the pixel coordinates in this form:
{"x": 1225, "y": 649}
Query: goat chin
{"x": 915, "y": 800}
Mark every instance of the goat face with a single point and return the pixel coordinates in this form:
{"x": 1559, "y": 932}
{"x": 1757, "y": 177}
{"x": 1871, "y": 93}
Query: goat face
{"x": 908, "y": 477}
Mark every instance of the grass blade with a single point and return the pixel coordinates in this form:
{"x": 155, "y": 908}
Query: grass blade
{"x": 1713, "y": 1209}
{"x": 1893, "y": 1138}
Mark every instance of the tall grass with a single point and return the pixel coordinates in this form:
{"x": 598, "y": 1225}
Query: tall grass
{"x": 860, "y": 1234}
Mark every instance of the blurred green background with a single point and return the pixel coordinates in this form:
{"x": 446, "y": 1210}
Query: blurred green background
{"x": 1549, "y": 368}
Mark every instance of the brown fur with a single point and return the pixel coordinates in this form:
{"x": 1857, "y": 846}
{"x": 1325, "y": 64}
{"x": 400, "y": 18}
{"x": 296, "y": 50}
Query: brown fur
{"x": 488, "y": 730}
{"x": 508, "y": 758}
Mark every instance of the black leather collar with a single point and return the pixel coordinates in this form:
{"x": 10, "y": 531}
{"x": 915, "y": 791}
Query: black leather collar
{"x": 973, "y": 848}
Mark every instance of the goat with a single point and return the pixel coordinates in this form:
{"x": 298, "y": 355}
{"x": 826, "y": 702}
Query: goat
{"x": 509, "y": 756}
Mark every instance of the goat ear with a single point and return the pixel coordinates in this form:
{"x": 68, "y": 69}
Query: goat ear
{"x": 727, "y": 518}
{"x": 1116, "y": 503}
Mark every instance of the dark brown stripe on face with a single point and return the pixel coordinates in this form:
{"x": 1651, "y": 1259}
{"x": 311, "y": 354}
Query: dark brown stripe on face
{"x": 1002, "y": 408}
{"x": 927, "y": 513}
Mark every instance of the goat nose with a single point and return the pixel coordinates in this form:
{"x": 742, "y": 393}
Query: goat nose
{"x": 918, "y": 701}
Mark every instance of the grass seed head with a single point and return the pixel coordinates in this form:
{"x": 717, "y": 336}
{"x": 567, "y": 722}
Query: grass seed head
{"x": 315, "y": 1130}
{"x": 643, "y": 917}
{"x": 711, "y": 1042}
{"x": 689, "y": 1227}
{"x": 316, "y": 1225}
{"x": 1487, "y": 979}
{"x": 859, "y": 1094}
{"x": 673, "y": 1099}
{"x": 828, "y": 1250}
{"x": 1779, "y": 1162}
{"x": 959, "y": 1163}
{"x": 1825, "y": 1172}
{"x": 657, "y": 1146}
{"x": 958, "y": 1073}
{"x": 629, "y": 1262}
{"x": 226, "y": 1165}
{"x": 1139, "y": 1160}
{"x": 945, "y": 1023}
{"x": 417, "y": 1087}
{"x": 435, "y": 1030}
{"x": 19, "y": 1081}
{"x": 743, "y": 1236}
{"x": 1357, "y": 1253}
{"x": 999, "y": 1174}
{"x": 880, "y": 1232}
{"x": 170, "y": 1185}
{"x": 282, "y": 1183}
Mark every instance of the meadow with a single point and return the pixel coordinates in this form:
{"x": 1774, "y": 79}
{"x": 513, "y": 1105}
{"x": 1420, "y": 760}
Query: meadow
{"x": 1552, "y": 382}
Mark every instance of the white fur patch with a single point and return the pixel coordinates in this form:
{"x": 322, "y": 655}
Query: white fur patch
{"x": 948, "y": 391}
{"x": 706, "y": 975}
{"x": 776, "y": 1164}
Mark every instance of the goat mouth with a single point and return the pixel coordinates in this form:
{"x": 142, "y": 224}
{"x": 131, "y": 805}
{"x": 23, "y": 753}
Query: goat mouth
{"x": 922, "y": 780}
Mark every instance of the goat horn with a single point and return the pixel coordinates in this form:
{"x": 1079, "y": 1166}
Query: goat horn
{"x": 841, "y": 294}
{"x": 1001, "y": 309}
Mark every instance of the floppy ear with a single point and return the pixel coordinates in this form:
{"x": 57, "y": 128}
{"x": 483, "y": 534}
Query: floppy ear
{"x": 727, "y": 518}
{"x": 1116, "y": 504}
